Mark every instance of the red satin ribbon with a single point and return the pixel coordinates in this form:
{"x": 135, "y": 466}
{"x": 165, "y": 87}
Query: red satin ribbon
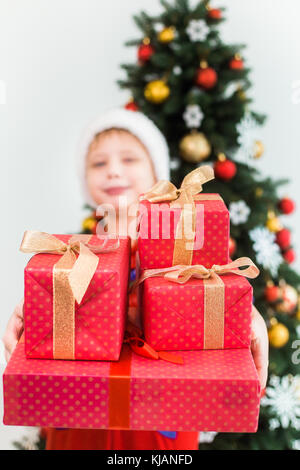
{"x": 133, "y": 337}
{"x": 119, "y": 391}
{"x": 120, "y": 376}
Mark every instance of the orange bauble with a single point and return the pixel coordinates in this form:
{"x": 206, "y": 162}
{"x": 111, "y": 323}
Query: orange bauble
{"x": 236, "y": 63}
{"x": 214, "y": 14}
{"x": 206, "y": 78}
{"x": 225, "y": 169}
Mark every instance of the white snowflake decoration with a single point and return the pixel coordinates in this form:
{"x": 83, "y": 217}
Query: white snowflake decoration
{"x": 267, "y": 251}
{"x": 239, "y": 212}
{"x": 158, "y": 27}
{"x": 177, "y": 70}
{"x": 207, "y": 437}
{"x": 296, "y": 445}
{"x": 248, "y": 134}
{"x": 283, "y": 398}
{"x": 230, "y": 89}
{"x": 197, "y": 30}
{"x": 193, "y": 116}
{"x": 30, "y": 441}
{"x": 174, "y": 164}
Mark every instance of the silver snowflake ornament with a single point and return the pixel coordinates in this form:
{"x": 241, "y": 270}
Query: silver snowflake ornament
{"x": 266, "y": 249}
{"x": 197, "y": 30}
{"x": 248, "y": 131}
{"x": 283, "y": 399}
{"x": 239, "y": 212}
{"x": 177, "y": 70}
{"x": 193, "y": 116}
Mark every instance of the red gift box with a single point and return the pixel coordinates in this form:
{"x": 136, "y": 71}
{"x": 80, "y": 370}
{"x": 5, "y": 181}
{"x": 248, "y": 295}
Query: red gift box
{"x": 211, "y": 391}
{"x": 157, "y": 233}
{"x": 58, "y": 327}
{"x": 182, "y": 316}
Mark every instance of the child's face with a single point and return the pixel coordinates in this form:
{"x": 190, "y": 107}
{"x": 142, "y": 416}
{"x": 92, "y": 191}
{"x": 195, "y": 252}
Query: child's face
{"x": 117, "y": 165}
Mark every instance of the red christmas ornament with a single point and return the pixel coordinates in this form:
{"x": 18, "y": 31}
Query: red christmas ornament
{"x": 231, "y": 246}
{"x": 225, "y": 169}
{"x": 236, "y": 63}
{"x": 215, "y": 14}
{"x": 289, "y": 256}
{"x": 286, "y": 205}
{"x": 283, "y": 238}
{"x": 206, "y": 78}
{"x": 272, "y": 293}
{"x": 131, "y": 106}
{"x": 145, "y": 51}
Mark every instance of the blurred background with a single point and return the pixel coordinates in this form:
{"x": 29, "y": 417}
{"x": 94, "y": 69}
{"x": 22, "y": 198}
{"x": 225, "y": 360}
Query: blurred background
{"x": 59, "y": 62}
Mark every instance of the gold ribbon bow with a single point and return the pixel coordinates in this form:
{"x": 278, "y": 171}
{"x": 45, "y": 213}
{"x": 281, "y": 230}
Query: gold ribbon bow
{"x": 165, "y": 191}
{"x": 72, "y": 275}
{"x": 214, "y": 291}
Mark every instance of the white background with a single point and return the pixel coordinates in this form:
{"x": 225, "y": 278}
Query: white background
{"x": 59, "y": 61}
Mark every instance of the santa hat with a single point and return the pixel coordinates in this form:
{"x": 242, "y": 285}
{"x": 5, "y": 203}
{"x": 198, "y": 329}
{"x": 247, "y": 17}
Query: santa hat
{"x": 137, "y": 124}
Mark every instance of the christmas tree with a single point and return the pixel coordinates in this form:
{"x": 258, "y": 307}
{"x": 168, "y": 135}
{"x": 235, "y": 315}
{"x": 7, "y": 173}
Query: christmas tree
{"x": 194, "y": 87}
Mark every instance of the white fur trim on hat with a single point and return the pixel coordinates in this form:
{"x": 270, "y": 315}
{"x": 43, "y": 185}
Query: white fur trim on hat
{"x": 137, "y": 124}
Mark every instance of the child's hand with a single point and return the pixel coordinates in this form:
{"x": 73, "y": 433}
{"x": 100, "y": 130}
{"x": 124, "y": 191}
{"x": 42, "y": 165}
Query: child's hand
{"x": 260, "y": 346}
{"x": 13, "y": 330}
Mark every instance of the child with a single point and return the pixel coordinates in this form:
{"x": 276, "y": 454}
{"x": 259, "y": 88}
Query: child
{"x": 122, "y": 155}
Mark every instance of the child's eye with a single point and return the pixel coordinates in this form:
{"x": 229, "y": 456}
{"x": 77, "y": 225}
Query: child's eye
{"x": 99, "y": 164}
{"x": 129, "y": 159}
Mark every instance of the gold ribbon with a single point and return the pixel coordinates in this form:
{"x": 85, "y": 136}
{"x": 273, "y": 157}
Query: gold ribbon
{"x": 165, "y": 191}
{"x": 71, "y": 277}
{"x": 214, "y": 291}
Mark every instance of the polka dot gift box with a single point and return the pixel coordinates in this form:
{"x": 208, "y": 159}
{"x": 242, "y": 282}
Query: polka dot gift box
{"x": 181, "y": 226}
{"x": 75, "y": 297}
{"x": 211, "y": 391}
{"x": 212, "y": 313}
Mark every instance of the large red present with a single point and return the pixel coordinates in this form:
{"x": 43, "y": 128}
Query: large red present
{"x": 201, "y": 309}
{"x": 211, "y": 391}
{"x": 75, "y": 301}
{"x": 181, "y": 226}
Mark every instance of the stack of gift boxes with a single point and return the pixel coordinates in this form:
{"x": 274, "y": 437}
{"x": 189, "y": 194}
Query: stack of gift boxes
{"x": 72, "y": 368}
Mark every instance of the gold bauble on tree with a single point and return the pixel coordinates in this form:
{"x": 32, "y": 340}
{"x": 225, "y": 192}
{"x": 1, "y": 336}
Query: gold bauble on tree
{"x": 278, "y": 334}
{"x": 166, "y": 35}
{"x": 194, "y": 147}
{"x": 258, "y": 149}
{"x": 298, "y": 311}
{"x": 156, "y": 91}
{"x": 273, "y": 223}
{"x": 89, "y": 224}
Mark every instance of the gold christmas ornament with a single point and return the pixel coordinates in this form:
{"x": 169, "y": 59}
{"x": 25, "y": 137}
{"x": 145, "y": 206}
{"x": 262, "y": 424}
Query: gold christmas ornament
{"x": 278, "y": 335}
{"x": 88, "y": 224}
{"x": 289, "y": 299}
{"x": 258, "y": 149}
{"x": 298, "y": 312}
{"x": 166, "y": 35}
{"x": 273, "y": 223}
{"x": 242, "y": 95}
{"x": 156, "y": 91}
{"x": 194, "y": 147}
{"x": 259, "y": 192}
{"x": 203, "y": 64}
